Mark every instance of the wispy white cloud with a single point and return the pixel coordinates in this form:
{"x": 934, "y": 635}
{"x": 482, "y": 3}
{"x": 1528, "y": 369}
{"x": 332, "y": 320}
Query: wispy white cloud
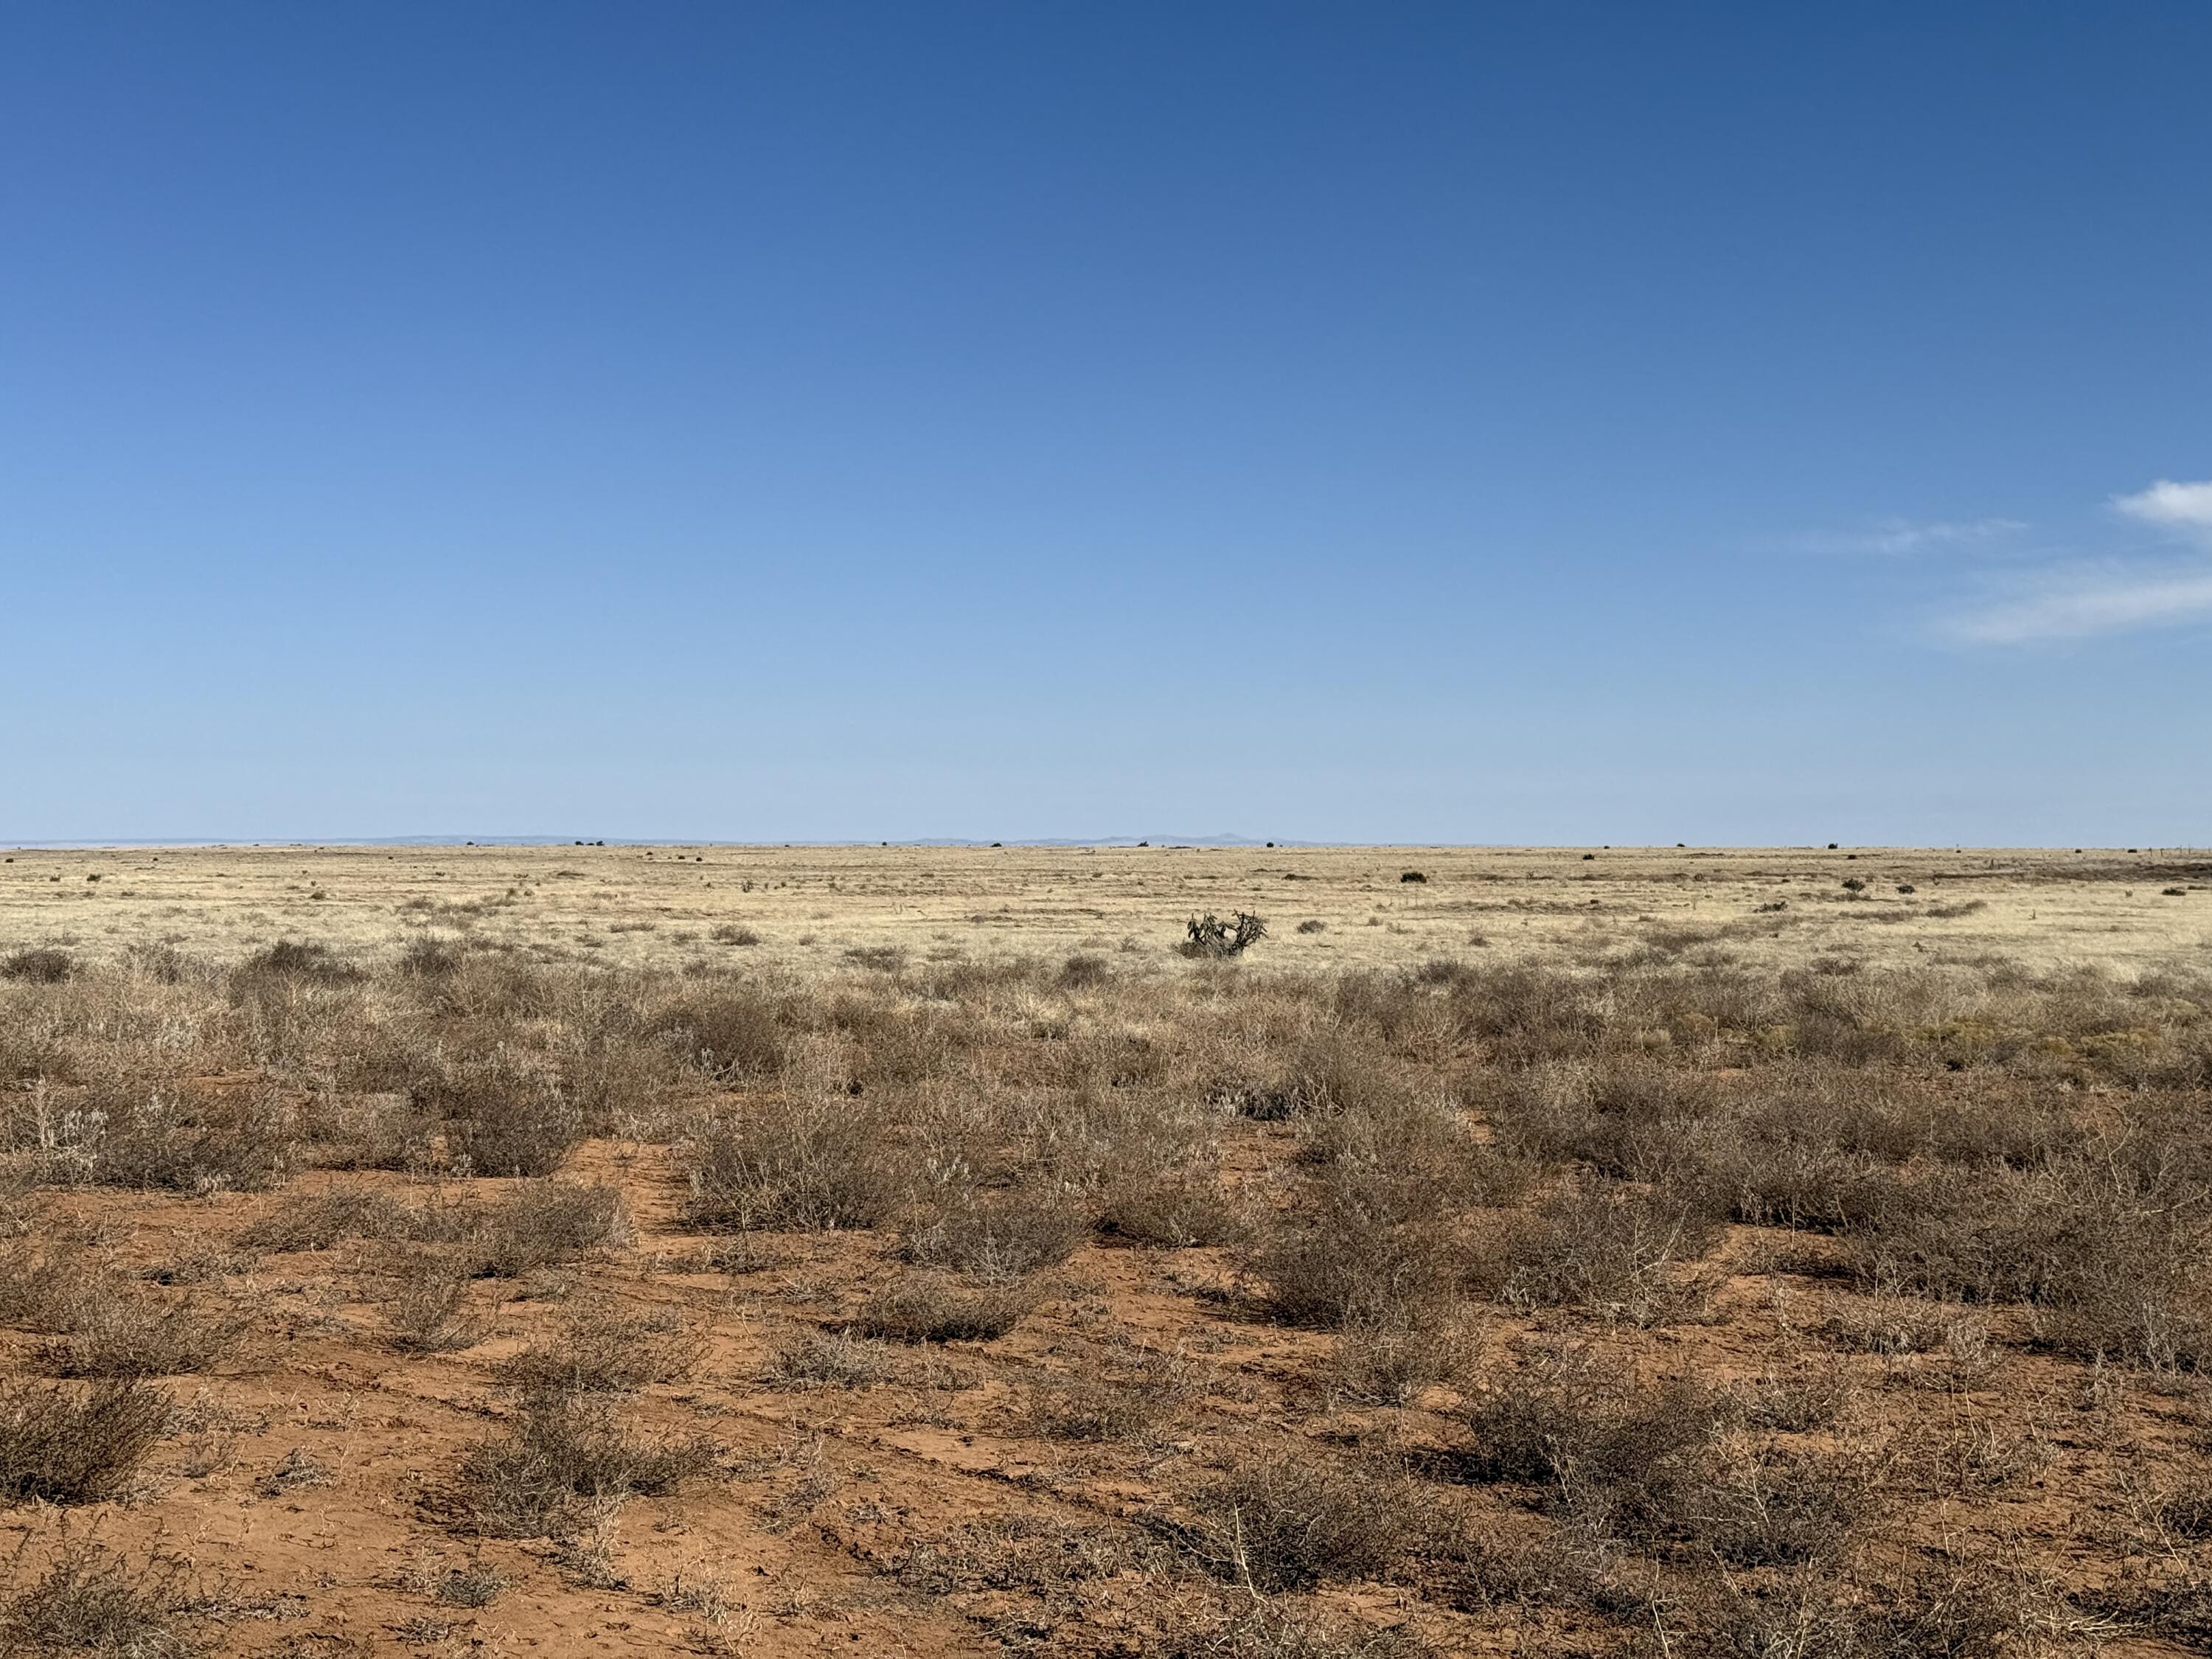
{"x": 2075, "y": 600}
{"x": 1898, "y": 537}
{"x": 2074, "y": 604}
{"x": 2183, "y": 506}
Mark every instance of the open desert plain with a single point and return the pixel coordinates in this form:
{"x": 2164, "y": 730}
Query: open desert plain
{"x": 724, "y": 1250}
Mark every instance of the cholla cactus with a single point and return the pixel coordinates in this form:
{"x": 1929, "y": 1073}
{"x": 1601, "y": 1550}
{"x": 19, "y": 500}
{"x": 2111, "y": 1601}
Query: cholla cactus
{"x": 1210, "y": 936}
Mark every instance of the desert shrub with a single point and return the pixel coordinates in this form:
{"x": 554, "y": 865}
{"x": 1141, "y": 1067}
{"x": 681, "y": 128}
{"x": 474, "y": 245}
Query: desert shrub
{"x": 1769, "y": 1508}
{"x": 600, "y": 1349}
{"x": 1895, "y": 1325}
{"x": 1628, "y": 1119}
{"x": 1412, "y": 876}
{"x": 1782, "y": 1182}
{"x": 40, "y": 1288}
{"x": 1093, "y": 1408}
{"x": 89, "y": 1602}
{"x": 1299, "y": 1519}
{"x": 1404, "y": 1156}
{"x": 1180, "y": 1210}
{"x": 1329, "y": 1069}
{"x": 730, "y": 1034}
{"x": 566, "y": 1454}
{"x": 1570, "y": 1419}
{"x": 835, "y": 1359}
{"x": 42, "y": 966}
{"x": 1520, "y": 1013}
{"x": 430, "y": 958}
{"x": 929, "y": 1308}
{"x": 1611, "y": 1248}
{"x": 807, "y": 1161}
{"x": 63, "y": 1446}
{"x": 1248, "y": 1628}
{"x": 305, "y": 961}
{"x": 1795, "y": 1404}
{"x": 196, "y": 1141}
{"x": 1082, "y": 972}
{"x": 476, "y": 1585}
{"x": 2113, "y": 1272}
{"x": 316, "y": 1221}
{"x": 1001, "y": 1237}
{"x": 1810, "y": 1613}
{"x": 384, "y": 1130}
{"x": 1341, "y": 1263}
{"x": 542, "y": 1223}
{"x": 431, "y": 1313}
{"x": 1127, "y": 1404}
{"x": 136, "y": 1336}
{"x": 1209, "y": 936}
{"x": 731, "y": 933}
{"x": 1388, "y": 1362}
{"x": 503, "y": 1114}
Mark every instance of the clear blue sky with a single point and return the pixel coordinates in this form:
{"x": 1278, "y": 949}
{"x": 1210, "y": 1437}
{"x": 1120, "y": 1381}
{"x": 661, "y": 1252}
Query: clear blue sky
{"x": 846, "y": 420}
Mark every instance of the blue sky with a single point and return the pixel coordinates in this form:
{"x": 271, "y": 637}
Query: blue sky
{"x": 1411, "y": 422}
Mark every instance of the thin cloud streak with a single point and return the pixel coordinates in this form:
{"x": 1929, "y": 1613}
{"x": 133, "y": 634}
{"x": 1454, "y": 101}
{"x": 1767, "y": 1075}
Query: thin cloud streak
{"x": 2080, "y": 600}
{"x": 2077, "y": 606}
{"x": 1896, "y": 538}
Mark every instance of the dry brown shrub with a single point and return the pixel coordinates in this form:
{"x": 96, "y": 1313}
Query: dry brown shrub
{"x": 39, "y": 965}
{"x": 198, "y": 1141}
{"x": 835, "y": 1359}
{"x": 731, "y": 1033}
{"x": 997, "y": 1238}
{"x": 126, "y": 1335}
{"x": 567, "y": 1454}
{"x": 601, "y": 1350}
{"x": 543, "y": 1224}
{"x": 504, "y": 1115}
{"x": 63, "y": 1445}
{"x": 1180, "y": 1210}
{"x": 1390, "y": 1361}
{"x": 88, "y": 1602}
{"x": 317, "y": 1221}
{"x": 792, "y": 1163}
{"x": 1129, "y": 1404}
{"x": 1619, "y": 1251}
{"x": 295, "y": 961}
{"x": 1342, "y": 1264}
{"x": 431, "y": 1313}
{"x": 929, "y": 1308}
{"x": 1298, "y": 1519}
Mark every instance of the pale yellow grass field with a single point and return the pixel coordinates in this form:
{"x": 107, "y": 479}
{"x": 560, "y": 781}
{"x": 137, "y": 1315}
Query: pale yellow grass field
{"x": 810, "y": 905}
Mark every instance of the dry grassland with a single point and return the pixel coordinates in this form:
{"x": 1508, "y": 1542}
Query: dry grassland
{"x": 582, "y": 1250}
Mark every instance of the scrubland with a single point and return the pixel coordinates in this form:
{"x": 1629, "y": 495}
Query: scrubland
{"x": 1748, "y": 1264}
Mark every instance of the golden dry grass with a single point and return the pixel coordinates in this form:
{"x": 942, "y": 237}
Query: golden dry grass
{"x": 808, "y": 906}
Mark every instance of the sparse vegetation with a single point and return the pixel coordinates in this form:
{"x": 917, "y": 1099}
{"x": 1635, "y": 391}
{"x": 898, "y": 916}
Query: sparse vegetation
{"x": 1676, "y": 1275}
